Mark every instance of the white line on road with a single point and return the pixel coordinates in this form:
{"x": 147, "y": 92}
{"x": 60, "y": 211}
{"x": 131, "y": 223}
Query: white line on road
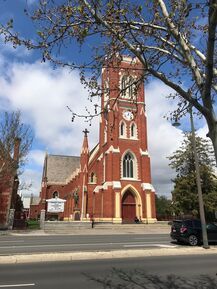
{"x": 20, "y": 241}
{"x": 74, "y": 245}
{"x": 16, "y": 285}
{"x": 150, "y": 245}
{"x": 167, "y": 246}
{"x": 150, "y": 238}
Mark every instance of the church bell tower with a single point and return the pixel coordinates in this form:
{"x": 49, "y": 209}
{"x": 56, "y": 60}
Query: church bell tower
{"x": 125, "y": 171}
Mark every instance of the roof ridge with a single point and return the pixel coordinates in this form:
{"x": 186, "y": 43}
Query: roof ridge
{"x": 63, "y": 156}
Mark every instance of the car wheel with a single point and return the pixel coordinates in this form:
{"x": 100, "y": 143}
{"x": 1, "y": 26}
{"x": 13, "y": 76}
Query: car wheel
{"x": 193, "y": 240}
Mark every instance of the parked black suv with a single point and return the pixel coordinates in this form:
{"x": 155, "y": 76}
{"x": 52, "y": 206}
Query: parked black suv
{"x": 189, "y": 231}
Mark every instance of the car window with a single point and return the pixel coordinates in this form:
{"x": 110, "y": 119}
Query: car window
{"x": 211, "y": 227}
{"x": 176, "y": 224}
{"x": 188, "y": 223}
{"x": 197, "y": 223}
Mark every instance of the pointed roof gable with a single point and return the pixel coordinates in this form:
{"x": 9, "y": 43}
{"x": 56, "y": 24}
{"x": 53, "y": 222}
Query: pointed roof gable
{"x": 85, "y": 147}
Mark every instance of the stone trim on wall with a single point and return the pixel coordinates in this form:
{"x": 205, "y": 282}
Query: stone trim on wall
{"x": 147, "y": 186}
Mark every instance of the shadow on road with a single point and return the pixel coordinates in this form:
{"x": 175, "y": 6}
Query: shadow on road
{"x": 138, "y": 279}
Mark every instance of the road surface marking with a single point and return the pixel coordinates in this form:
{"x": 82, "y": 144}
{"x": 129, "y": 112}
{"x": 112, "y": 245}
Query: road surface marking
{"x": 149, "y": 238}
{"x": 148, "y": 245}
{"x": 17, "y": 285}
{"x": 73, "y": 245}
{"x": 167, "y": 246}
{"x": 11, "y": 241}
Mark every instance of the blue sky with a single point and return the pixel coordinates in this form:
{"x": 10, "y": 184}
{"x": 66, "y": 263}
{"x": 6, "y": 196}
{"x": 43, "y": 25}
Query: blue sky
{"x": 42, "y": 95}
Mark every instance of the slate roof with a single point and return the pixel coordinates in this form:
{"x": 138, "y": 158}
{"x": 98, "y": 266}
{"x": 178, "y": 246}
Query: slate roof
{"x": 58, "y": 168}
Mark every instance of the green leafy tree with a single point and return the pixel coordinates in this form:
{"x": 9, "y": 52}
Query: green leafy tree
{"x": 174, "y": 40}
{"x": 163, "y": 207}
{"x": 184, "y": 195}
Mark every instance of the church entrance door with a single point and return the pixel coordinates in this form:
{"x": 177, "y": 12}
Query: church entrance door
{"x": 128, "y": 207}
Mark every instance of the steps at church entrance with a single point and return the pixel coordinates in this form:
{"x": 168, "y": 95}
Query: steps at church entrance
{"x": 63, "y": 227}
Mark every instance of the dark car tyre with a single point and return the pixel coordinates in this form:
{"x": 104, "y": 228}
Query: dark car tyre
{"x": 193, "y": 240}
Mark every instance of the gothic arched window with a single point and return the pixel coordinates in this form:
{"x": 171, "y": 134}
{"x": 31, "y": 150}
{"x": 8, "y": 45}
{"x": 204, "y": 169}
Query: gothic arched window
{"x": 124, "y": 86}
{"x": 105, "y": 132}
{"x": 131, "y": 87}
{"x": 133, "y": 130}
{"x": 122, "y": 129}
{"x": 93, "y": 178}
{"x": 106, "y": 92}
{"x": 127, "y": 87}
{"x": 128, "y": 166}
{"x": 55, "y": 194}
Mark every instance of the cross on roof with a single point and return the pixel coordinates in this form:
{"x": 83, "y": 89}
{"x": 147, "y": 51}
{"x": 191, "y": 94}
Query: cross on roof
{"x": 85, "y": 132}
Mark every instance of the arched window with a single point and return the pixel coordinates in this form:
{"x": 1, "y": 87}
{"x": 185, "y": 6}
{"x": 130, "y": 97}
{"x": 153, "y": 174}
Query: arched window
{"x": 124, "y": 86}
{"x": 122, "y": 129}
{"x": 131, "y": 87}
{"x": 105, "y": 132}
{"x": 93, "y": 178}
{"x": 55, "y": 194}
{"x": 133, "y": 131}
{"x": 106, "y": 92}
{"x": 128, "y": 166}
{"x": 128, "y": 87}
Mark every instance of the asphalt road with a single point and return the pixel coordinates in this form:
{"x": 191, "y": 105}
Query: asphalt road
{"x": 82, "y": 274}
{"x": 65, "y": 243}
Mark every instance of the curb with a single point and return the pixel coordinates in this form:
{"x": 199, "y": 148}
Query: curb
{"x": 96, "y": 232}
{"x": 76, "y": 256}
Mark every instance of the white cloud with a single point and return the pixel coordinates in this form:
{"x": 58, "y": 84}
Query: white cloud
{"x": 163, "y": 138}
{"x": 202, "y": 132}
{"x": 42, "y": 95}
{"x": 31, "y": 177}
{"x": 30, "y": 2}
{"x": 36, "y": 157}
{"x": 7, "y": 48}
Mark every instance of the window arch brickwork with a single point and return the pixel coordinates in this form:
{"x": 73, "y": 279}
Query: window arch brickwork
{"x": 55, "y": 194}
{"x": 129, "y": 166}
{"x": 122, "y": 129}
{"x": 127, "y": 87}
{"x": 133, "y": 131}
{"x": 93, "y": 178}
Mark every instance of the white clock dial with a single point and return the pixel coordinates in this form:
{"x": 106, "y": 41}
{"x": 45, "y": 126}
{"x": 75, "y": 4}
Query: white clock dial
{"x": 128, "y": 115}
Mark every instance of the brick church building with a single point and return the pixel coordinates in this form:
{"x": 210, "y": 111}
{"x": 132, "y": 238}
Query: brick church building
{"x": 111, "y": 182}
{"x": 9, "y": 183}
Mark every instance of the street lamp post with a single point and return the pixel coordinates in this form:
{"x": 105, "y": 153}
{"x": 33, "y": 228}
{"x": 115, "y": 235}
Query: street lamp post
{"x": 198, "y": 181}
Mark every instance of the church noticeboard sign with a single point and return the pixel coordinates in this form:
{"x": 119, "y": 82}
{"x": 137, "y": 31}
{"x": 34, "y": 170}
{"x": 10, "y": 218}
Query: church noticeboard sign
{"x": 55, "y": 205}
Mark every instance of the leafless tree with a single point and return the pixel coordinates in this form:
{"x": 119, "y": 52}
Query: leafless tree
{"x": 13, "y": 133}
{"x": 139, "y": 279}
{"x": 174, "y": 40}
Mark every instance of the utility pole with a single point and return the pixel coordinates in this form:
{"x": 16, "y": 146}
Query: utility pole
{"x": 198, "y": 181}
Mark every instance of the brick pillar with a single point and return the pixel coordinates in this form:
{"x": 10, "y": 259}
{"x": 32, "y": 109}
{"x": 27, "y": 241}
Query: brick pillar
{"x": 42, "y": 219}
{"x": 11, "y": 219}
{"x": 117, "y": 218}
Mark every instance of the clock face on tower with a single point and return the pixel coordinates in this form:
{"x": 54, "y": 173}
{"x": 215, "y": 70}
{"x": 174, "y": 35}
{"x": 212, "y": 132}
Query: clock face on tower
{"x": 128, "y": 115}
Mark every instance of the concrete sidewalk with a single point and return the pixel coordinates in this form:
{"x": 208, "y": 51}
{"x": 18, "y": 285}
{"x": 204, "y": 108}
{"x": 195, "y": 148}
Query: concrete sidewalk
{"x": 75, "y": 256}
{"x": 99, "y": 229}
{"x": 106, "y": 230}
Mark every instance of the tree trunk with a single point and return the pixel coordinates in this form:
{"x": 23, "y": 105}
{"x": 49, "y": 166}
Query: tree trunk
{"x": 213, "y": 135}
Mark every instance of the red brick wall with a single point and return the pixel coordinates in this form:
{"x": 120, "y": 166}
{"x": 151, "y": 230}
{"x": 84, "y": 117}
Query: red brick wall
{"x": 101, "y": 203}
